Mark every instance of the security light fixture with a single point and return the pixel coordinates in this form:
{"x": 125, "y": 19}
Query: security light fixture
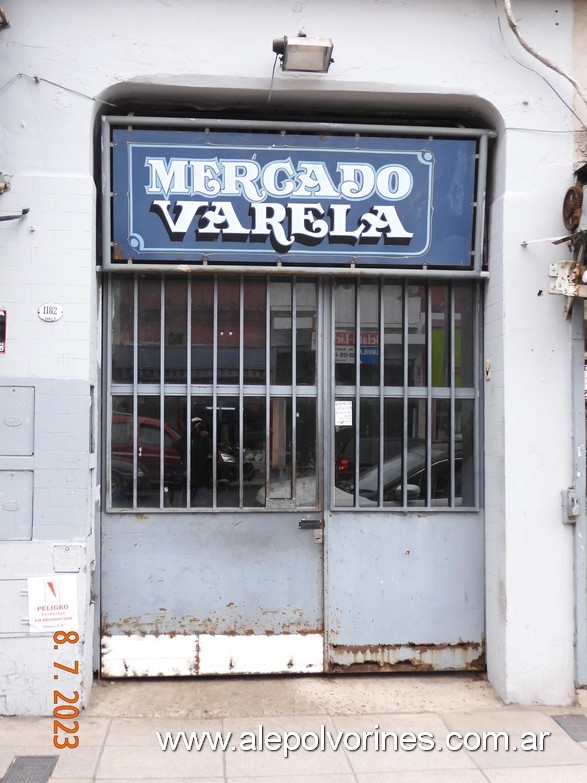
{"x": 304, "y": 54}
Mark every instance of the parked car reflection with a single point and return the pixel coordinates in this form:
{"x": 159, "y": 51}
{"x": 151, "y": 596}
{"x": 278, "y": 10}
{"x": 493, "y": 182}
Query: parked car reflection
{"x": 393, "y": 483}
{"x": 122, "y": 481}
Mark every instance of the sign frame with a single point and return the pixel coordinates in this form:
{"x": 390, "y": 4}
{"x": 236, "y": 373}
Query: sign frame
{"x": 222, "y": 257}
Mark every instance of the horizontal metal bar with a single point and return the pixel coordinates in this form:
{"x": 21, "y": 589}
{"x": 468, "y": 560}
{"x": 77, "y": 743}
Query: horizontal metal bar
{"x": 217, "y": 269}
{"x": 323, "y": 127}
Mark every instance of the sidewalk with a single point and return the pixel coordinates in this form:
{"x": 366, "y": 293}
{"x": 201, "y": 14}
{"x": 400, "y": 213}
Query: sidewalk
{"x": 427, "y": 713}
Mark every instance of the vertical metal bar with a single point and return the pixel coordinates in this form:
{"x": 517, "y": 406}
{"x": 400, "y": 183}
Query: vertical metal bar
{"x": 406, "y": 331}
{"x": 428, "y": 338}
{"x": 580, "y": 486}
{"x": 241, "y": 356}
{"x": 135, "y": 380}
{"x": 188, "y": 402}
{"x": 107, "y": 392}
{"x": 215, "y": 394}
{"x": 382, "y": 317}
{"x": 268, "y": 438}
{"x": 478, "y": 391}
{"x": 106, "y": 191}
{"x": 294, "y": 380}
{"x": 320, "y": 404}
{"x": 331, "y": 354}
{"x": 357, "y": 390}
{"x": 162, "y": 488}
{"x": 452, "y": 417}
{"x": 480, "y": 204}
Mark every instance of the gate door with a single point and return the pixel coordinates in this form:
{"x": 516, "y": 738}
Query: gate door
{"x": 211, "y": 428}
{"x": 405, "y": 587}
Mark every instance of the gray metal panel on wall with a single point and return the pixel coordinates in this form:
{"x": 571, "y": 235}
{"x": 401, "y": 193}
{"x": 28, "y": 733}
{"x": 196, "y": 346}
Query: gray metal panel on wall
{"x": 17, "y": 410}
{"x": 16, "y": 505}
{"x": 405, "y": 591}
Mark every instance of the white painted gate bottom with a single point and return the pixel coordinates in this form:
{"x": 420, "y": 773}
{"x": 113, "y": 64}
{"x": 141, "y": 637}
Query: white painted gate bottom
{"x": 168, "y": 655}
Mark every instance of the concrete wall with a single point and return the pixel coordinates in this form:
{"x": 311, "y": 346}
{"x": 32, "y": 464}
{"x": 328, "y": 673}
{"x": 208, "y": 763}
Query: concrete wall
{"x": 390, "y": 57}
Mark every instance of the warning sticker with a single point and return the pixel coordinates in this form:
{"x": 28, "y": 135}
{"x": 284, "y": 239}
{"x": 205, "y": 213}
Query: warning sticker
{"x": 53, "y": 603}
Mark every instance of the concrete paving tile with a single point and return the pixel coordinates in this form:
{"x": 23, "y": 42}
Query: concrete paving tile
{"x": 426, "y": 776}
{"x": 142, "y": 731}
{"x": 38, "y": 732}
{"x": 406, "y": 742}
{"x": 538, "y": 775}
{"x": 139, "y": 762}
{"x": 296, "y": 779}
{"x": 271, "y": 761}
{"x": 98, "y": 779}
{"x": 559, "y": 748}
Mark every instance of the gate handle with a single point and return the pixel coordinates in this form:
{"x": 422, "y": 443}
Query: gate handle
{"x": 311, "y": 524}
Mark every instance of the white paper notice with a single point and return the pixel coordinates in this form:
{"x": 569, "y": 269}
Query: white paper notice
{"x": 53, "y": 603}
{"x": 343, "y": 413}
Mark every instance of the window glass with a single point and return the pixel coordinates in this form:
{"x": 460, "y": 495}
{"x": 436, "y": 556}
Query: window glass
{"x": 228, "y": 331}
{"x": 417, "y": 334}
{"x": 306, "y": 316}
{"x": 202, "y": 315}
{"x": 280, "y": 331}
{"x": 344, "y": 332}
{"x": 149, "y": 329}
{"x": 369, "y": 333}
{"x": 123, "y": 337}
{"x": 393, "y": 304}
{"x": 175, "y": 330}
{"x": 255, "y": 337}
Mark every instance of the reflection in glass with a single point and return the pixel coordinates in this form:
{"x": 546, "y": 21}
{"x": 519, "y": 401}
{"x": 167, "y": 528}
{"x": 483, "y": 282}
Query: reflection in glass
{"x": 202, "y": 329}
{"x": 465, "y": 444}
{"x": 228, "y": 332}
{"x": 255, "y": 338}
{"x": 175, "y": 330}
{"x": 369, "y": 333}
{"x": 441, "y": 462}
{"x": 306, "y": 333}
{"x": 393, "y": 303}
{"x": 253, "y": 449}
{"x": 417, "y": 349}
{"x": 149, "y": 329}
{"x": 306, "y": 466}
{"x": 281, "y": 333}
{"x": 369, "y": 442}
{"x": 280, "y": 456}
{"x": 122, "y": 328}
{"x": 344, "y": 332}
{"x": 440, "y": 334}
{"x": 174, "y": 469}
{"x": 464, "y": 326}
{"x": 122, "y": 455}
{"x": 415, "y": 490}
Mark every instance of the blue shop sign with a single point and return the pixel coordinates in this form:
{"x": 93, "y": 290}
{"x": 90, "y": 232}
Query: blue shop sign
{"x": 258, "y": 198}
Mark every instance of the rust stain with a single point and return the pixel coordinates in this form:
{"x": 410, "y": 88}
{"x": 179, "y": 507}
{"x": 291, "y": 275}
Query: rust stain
{"x": 141, "y": 517}
{"x": 407, "y": 657}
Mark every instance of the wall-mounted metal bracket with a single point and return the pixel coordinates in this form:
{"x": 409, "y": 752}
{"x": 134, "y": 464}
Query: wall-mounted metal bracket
{"x": 571, "y": 506}
{"x": 15, "y": 217}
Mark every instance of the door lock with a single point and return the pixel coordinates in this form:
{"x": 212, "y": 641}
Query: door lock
{"x": 317, "y": 525}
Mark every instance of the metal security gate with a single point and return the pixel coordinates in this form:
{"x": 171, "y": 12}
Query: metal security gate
{"x": 405, "y": 586}
{"x": 292, "y": 475}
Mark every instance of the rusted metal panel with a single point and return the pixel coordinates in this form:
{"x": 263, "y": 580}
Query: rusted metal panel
{"x": 404, "y": 592}
{"x": 406, "y": 657}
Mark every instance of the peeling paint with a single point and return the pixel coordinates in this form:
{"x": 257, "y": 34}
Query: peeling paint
{"x": 189, "y": 655}
{"x": 407, "y": 657}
